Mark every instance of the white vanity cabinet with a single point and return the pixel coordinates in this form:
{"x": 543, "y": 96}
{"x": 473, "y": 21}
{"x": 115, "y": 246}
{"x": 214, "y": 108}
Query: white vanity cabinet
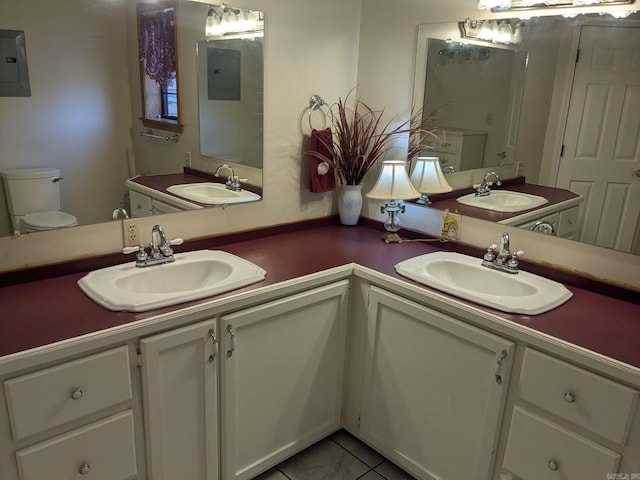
{"x": 282, "y": 374}
{"x": 569, "y": 423}
{"x": 179, "y": 386}
{"x": 561, "y": 222}
{"x": 461, "y": 149}
{"x": 434, "y": 389}
{"x": 145, "y": 205}
{"x": 63, "y": 416}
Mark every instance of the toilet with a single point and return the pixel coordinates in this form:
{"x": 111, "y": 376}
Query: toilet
{"x": 33, "y": 199}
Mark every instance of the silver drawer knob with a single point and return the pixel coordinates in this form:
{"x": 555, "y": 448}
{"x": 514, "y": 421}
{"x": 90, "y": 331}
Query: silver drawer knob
{"x": 84, "y": 469}
{"x": 76, "y": 393}
{"x": 569, "y": 397}
{"x": 553, "y": 465}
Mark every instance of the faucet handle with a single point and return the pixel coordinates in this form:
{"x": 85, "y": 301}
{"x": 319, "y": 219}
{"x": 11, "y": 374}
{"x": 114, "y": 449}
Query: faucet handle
{"x": 490, "y": 255}
{"x": 512, "y": 264}
{"x": 176, "y": 241}
{"x": 128, "y": 250}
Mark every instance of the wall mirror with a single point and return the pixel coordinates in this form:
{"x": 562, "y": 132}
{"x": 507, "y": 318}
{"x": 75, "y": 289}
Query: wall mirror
{"x": 84, "y": 113}
{"x": 230, "y": 96}
{"x": 564, "y": 128}
{"x": 159, "y": 66}
{"x": 486, "y": 122}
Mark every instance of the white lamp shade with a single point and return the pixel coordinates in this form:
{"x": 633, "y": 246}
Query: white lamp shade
{"x": 393, "y": 183}
{"x": 427, "y": 176}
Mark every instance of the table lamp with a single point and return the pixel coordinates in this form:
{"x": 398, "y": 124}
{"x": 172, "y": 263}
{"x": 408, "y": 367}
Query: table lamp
{"x": 393, "y": 184}
{"x": 427, "y": 177}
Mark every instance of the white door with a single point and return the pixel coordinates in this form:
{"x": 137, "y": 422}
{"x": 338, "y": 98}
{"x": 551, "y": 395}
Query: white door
{"x": 432, "y": 399}
{"x": 282, "y": 370}
{"x": 601, "y": 155}
{"x": 179, "y": 383}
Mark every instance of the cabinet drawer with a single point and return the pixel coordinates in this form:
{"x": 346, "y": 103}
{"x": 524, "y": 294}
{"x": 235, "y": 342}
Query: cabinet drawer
{"x": 592, "y": 402}
{"x": 537, "y": 449}
{"x": 53, "y": 396}
{"x": 103, "y": 450}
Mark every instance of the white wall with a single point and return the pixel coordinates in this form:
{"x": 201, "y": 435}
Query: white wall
{"x": 88, "y": 126}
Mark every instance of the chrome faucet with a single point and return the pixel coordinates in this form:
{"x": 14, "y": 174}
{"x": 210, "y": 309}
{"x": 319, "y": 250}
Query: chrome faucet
{"x": 233, "y": 182}
{"x": 505, "y": 260}
{"x": 482, "y": 188}
{"x": 160, "y": 249}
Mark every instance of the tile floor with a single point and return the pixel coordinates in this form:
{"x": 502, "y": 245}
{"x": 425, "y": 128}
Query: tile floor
{"x": 338, "y": 457}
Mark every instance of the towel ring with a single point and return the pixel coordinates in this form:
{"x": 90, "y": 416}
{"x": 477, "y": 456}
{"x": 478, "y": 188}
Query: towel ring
{"x": 315, "y": 103}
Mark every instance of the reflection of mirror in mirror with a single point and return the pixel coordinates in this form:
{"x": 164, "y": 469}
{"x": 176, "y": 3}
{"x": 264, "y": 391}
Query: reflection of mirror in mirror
{"x": 573, "y": 127}
{"x": 230, "y": 92}
{"x": 476, "y": 92}
{"x": 83, "y": 117}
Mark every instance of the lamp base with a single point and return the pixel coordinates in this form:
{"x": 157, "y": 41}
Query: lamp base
{"x": 391, "y": 237}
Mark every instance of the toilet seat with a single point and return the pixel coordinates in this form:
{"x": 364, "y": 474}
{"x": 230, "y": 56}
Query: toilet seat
{"x": 48, "y": 220}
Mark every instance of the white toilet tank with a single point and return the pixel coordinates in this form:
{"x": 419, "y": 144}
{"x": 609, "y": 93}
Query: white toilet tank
{"x": 32, "y": 190}
{"x": 33, "y": 199}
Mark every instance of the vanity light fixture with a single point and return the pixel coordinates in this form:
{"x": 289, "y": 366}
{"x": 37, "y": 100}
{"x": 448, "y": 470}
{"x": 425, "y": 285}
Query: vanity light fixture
{"x": 503, "y": 5}
{"x": 393, "y": 185}
{"x": 427, "y": 177}
{"x": 507, "y": 32}
{"x": 225, "y": 20}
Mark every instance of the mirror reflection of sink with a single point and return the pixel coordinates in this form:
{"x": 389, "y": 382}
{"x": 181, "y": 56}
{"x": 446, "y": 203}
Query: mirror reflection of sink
{"x": 503, "y": 201}
{"x": 465, "y": 277}
{"x": 193, "y": 275}
{"x": 212, "y": 193}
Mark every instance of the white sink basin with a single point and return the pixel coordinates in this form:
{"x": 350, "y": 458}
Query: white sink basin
{"x": 212, "y": 193}
{"x": 503, "y": 201}
{"x": 193, "y": 275}
{"x": 465, "y": 277}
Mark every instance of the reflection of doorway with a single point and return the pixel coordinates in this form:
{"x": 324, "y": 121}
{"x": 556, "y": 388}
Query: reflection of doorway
{"x": 602, "y": 136}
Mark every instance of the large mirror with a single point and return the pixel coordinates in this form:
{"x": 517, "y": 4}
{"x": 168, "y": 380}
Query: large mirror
{"x": 230, "y": 91}
{"x": 83, "y": 117}
{"x": 565, "y": 123}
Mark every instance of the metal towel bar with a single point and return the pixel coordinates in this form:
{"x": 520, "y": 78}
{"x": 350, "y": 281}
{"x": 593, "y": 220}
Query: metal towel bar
{"x": 169, "y": 138}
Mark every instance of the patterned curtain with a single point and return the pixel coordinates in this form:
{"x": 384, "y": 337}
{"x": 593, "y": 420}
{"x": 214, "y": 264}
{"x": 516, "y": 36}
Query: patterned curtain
{"x": 157, "y": 46}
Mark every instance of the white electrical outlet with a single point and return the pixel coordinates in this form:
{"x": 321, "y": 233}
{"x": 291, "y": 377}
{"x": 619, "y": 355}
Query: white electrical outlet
{"x": 454, "y": 232}
{"x": 187, "y": 158}
{"x": 131, "y": 232}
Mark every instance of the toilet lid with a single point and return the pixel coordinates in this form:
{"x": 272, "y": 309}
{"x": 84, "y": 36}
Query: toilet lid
{"x": 48, "y": 220}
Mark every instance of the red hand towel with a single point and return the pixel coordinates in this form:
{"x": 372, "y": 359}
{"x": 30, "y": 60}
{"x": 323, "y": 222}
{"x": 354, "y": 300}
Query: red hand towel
{"x": 321, "y": 143}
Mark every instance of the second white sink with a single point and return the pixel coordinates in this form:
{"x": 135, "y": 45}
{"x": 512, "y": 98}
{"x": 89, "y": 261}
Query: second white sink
{"x": 193, "y": 275}
{"x": 212, "y": 193}
{"x": 465, "y": 277}
{"x": 503, "y": 201}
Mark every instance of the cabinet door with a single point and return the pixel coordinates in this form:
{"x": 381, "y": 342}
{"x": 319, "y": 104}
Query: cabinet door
{"x": 282, "y": 378}
{"x": 180, "y": 403}
{"x": 160, "y": 208}
{"x": 434, "y": 390}
{"x": 140, "y": 204}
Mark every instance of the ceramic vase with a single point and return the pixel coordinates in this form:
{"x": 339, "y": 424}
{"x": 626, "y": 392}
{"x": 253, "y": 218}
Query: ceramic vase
{"x": 349, "y": 203}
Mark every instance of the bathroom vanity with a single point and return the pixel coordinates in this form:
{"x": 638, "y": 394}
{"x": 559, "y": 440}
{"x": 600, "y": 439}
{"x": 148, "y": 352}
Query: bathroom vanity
{"x": 162, "y": 193}
{"x": 227, "y": 387}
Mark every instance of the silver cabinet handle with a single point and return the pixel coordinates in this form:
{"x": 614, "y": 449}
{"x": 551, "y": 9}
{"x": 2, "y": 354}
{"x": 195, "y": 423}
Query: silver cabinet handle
{"x": 232, "y": 341}
{"x": 76, "y": 393}
{"x": 84, "y": 469}
{"x": 553, "y": 465}
{"x": 212, "y": 334}
{"x": 569, "y": 397}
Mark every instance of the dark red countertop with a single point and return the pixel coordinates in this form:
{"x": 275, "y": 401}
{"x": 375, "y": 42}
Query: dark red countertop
{"x": 553, "y": 195}
{"x": 54, "y": 309}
